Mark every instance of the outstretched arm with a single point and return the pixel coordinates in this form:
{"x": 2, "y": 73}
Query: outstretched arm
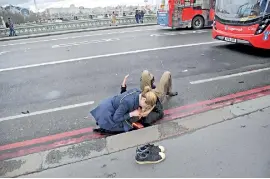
{"x": 124, "y": 86}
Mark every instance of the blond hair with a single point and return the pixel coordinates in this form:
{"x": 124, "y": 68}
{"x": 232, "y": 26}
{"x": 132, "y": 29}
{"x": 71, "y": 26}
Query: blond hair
{"x": 151, "y": 100}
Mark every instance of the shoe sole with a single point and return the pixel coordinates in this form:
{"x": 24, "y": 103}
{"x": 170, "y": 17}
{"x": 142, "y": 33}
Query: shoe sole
{"x": 149, "y": 162}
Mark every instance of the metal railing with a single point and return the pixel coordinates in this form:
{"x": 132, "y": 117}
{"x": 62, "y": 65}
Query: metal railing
{"x": 27, "y": 30}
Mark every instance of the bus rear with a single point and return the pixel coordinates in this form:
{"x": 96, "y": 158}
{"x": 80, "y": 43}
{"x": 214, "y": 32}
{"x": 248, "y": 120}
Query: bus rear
{"x": 243, "y": 21}
{"x": 163, "y": 18}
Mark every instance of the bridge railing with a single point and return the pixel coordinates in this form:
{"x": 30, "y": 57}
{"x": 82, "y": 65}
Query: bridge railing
{"x": 27, "y": 30}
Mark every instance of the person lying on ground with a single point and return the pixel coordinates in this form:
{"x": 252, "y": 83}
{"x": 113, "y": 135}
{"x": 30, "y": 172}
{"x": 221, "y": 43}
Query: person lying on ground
{"x": 163, "y": 90}
{"x": 116, "y": 114}
{"x": 155, "y": 115}
{"x": 164, "y": 87}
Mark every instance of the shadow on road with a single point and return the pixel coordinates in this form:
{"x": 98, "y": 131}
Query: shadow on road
{"x": 181, "y": 29}
{"x": 247, "y": 50}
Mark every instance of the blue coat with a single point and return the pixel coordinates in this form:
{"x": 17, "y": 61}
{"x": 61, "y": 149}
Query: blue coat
{"x": 113, "y": 113}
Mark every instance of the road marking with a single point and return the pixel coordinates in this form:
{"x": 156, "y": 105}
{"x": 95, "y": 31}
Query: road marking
{"x": 75, "y": 37}
{"x": 46, "y": 111}
{"x": 107, "y": 55}
{"x": 178, "y": 33}
{"x": 1, "y": 53}
{"x": 85, "y": 42}
{"x": 229, "y": 76}
{"x": 46, "y": 139}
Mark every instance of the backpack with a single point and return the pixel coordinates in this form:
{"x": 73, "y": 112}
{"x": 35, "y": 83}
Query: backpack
{"x": 7, "y": 25}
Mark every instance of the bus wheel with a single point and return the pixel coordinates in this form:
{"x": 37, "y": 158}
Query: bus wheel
{"x": 198, "y": 22}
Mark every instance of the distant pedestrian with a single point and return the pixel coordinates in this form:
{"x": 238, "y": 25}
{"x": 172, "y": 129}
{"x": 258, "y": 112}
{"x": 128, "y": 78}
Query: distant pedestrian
{"x": 11, "y": 28}
{"x": 113, "y": 19}
{"x": 142, "y": 16}
{"x": 137, "y": 17}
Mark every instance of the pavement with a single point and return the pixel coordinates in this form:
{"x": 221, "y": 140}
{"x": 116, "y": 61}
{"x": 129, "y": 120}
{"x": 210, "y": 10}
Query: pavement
{"x": 238, "y": 147}
{"x": 60, "y": 79}
{"x": 72, "y": 31}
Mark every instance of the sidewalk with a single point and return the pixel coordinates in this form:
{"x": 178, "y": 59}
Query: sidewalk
{"x": 228, "y": 142}
{"x": 234, "y": 137}
{"x": 236, "y": 148}
{"x": 73, "y": 31}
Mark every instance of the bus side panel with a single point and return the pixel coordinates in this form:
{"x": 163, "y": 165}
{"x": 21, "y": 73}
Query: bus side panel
{"x": 171, "y": 11}
{"x": 212, "y": 14}
{"x": 189, "y": 13}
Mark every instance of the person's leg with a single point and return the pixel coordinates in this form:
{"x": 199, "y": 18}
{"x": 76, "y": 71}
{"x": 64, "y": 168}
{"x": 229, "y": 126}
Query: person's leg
{"x": 165, "y": 86}
{"x": 146, "y": 79}
{"x": 10, "y": 32}
{"x": 14, "y": 32}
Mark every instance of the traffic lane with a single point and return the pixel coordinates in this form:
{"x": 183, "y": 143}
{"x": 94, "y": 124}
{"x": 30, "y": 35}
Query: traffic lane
{"x": 44, "y": 43}
{"x": 103, "y": 78}
{"x": 46, "y": 87}
{"x": 77, "y": 35}
{"x": 102, "y": 47}
{"x": 44, "y": 125}
{"x": 96, "y": 47}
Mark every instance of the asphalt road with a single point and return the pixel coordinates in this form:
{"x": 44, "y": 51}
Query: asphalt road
{"x": 50, "y": 72}
{"x": 238, "y": 149}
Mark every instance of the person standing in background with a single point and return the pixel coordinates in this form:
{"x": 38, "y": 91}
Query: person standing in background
{"x": 142, "y": 16}
{"x": 137, "y": 16}
{"x": 113, "y": 19}
{"x": 11, "y": 28}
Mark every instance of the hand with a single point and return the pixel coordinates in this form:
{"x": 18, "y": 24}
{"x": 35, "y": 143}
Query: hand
{"x": 135, "y": 113}
{"x": 125, "y": 80}
{"x": 126, "y": 77}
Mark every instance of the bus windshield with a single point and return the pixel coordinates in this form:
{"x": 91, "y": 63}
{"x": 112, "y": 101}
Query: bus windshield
{"x": 242, "y": 10}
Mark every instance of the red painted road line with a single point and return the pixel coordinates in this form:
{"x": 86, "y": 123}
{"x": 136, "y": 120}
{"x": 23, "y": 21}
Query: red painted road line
{"x": 215, "y": 106}
{"x": 228, "y": 97}
{"x": 170, "y": 111}
{"x": 54, "y": 145}
{"x": 46, "y": 139}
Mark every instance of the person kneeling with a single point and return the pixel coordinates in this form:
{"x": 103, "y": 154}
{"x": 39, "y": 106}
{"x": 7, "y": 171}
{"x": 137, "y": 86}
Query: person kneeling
{"x": 116, "y": 114}
{"x": 154, "y": 115}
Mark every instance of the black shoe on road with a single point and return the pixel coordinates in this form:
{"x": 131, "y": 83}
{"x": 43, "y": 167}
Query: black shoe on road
{"x": 149, "y": 157}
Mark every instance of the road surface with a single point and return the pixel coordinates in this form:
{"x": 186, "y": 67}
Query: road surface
{"x": 239, "y": 148}
{"x": 76, "y": 71}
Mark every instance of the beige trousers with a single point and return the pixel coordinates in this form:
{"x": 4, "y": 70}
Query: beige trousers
{"x": 163, "y": 87}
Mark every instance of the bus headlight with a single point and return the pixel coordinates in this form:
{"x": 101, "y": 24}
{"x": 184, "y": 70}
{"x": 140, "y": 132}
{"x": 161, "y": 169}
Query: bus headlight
{"x": 262, "y": 26}
{"x": 214, "y": 24}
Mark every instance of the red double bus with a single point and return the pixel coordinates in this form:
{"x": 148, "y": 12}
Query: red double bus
{"x": 243, "y": 21}
{"x": 186, "y": 13}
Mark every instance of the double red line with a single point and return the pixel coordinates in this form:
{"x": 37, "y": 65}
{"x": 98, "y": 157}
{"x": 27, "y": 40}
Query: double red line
{"x": 77, "y": 136}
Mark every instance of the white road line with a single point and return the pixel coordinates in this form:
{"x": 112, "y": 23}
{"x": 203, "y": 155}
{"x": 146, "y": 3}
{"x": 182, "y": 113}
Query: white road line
{"x": 178, "y": 33}
{"x": 107, "y": 55}
{"x": 1, "y": 53}
{"x": 229, "y": 76}
{"x": 46, "y": 111}
{"x": 85, "y": 42}
{"x": 74, "y": 37}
